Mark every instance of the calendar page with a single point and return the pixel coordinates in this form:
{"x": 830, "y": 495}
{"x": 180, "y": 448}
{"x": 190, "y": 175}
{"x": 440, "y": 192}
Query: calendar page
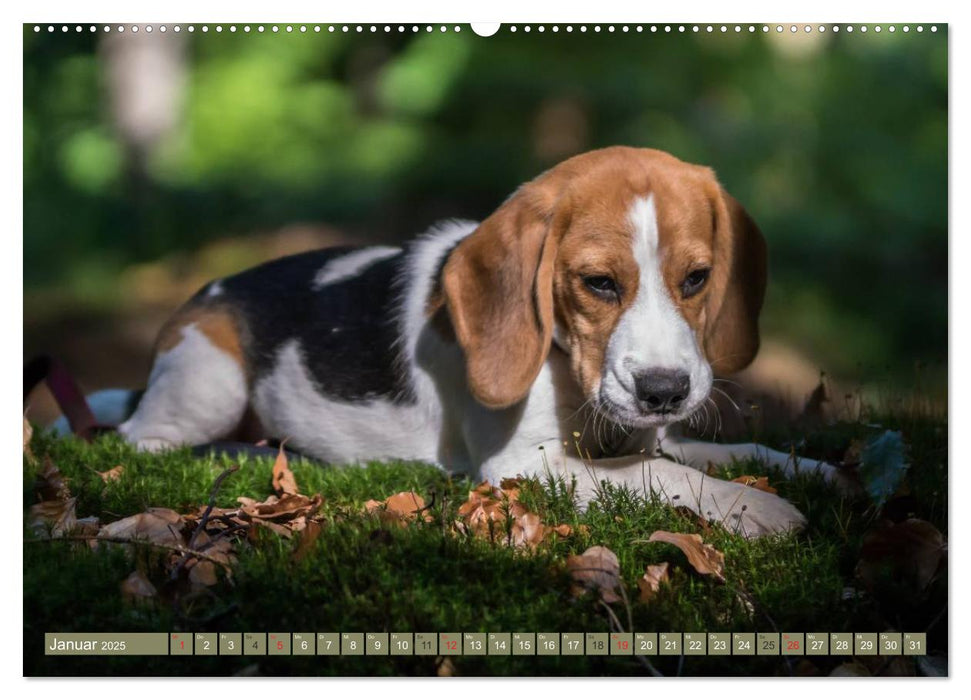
{"x": 514, "y": 349}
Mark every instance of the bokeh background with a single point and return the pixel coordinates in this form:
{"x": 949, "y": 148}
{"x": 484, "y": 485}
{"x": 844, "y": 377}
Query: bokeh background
{"x": 154, "y": 162}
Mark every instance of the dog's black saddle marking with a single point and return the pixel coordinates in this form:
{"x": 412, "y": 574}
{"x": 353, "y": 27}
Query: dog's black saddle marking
{"x": 347, "y": 329}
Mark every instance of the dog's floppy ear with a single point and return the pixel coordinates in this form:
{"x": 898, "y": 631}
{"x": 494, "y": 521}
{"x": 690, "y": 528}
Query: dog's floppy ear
{"x": 732, "y": 330}
{"x": 498, "y": 288}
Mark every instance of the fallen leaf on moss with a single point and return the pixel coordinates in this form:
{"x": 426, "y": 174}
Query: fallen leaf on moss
{"x": 284, "y": 482}
{"x": 527, "y": 531}
{"x": 510, "y": 488}
{"x": 90, "y": 526}
{"x": 203, "y": 573}
{"x": 491, "y": 514}
{"x": 705, "y": 559}
{"x": 219, "y": 555}
{"x": 219, "y": 518}
{"x": 137, "y": 588}
{"x": 307, "y": 539}
{"x": 650, "y": 582}
{"x": 446, "y": 667}
{"x": 399, "y": 509}
{"x": 51, "y": 484}
{"x": 112, "y": 474}
{"x": 597, "y": 570}
{"x": 157, "y": 525}
{"x": 496, "y": 514}
{"x": 255, "y": 532}
{"x": 756, "y": 482}
{"x": 52, "y": 518}
{"x": 288, "y": 507}
{"x": 54, "y": 515}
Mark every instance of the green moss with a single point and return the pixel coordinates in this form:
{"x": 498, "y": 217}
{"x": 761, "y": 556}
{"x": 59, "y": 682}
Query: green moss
{"x": 362, "y": 577}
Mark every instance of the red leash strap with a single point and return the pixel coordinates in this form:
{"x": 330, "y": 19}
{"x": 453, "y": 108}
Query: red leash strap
{"x": 69, "y": 397}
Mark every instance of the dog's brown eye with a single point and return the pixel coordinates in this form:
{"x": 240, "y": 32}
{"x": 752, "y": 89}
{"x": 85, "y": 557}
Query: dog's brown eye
{"x": 694, "y": 282}
{"x": 602, "y": 285}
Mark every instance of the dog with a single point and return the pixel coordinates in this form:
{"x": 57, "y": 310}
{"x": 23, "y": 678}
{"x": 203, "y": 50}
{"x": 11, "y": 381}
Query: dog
{"x": 567, "y": 333}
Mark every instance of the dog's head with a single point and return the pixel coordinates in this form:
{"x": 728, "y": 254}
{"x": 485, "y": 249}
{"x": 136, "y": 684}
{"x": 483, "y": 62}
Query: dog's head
{"x": 638, "y": 265}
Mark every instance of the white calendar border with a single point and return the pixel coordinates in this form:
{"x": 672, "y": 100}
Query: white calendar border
{"x": 601, "y": 11}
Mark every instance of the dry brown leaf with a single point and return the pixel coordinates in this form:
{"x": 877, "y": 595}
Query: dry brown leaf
{"x": 87, "y": 526}
{"x": 703, "y": 557}
{"x": 912, "y": 550}
{"x": 112, "y": 474}
{"x": 484, "y": 489}
{"x": 284, "y": 482}
{"x": 597, "y": 570}
{"x": 50, "y": 484}
{"x": 510, "y": 488}
{"x": 203, "y": 573}
{"x": 650, "y": 582}
{"x": 408, "y": 505}
{"x": 137, "y": 588}
{"x": 55, "y": 514}
{"x": 308, "y": 536}
{"x": 496, "y": 514}
{"x": 158, "y": 525}
{"x": 221, "y": 550}
{"x": 219, "y": 518}
{"x": 756, "y": 482}
{"x": 527, "y": 531}
{"x": 446, "y": 668}
{"x": 254, "y": 532}
{"x": 52, "y": 518}
{"x": 399, "y": 509}
{"x": 288, "y": 507}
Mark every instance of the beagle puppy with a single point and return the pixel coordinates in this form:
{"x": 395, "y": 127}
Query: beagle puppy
{"x": 566, "y": 333}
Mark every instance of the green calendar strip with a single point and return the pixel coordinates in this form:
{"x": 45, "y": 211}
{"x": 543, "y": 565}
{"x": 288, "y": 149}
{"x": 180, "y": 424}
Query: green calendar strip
{"x": 487, "y": 644}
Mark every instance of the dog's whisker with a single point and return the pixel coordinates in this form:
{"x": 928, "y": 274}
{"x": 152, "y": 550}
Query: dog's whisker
{"x": 730, "y": 399}
{"x": 727, "y": 381}
{"x": 718, "y": 416}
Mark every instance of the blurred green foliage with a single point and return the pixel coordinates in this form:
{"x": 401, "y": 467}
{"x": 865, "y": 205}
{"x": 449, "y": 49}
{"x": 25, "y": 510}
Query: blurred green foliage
{"x": 836, "y": 143}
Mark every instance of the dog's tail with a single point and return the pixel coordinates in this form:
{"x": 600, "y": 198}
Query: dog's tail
{"x": 110, "y": 407}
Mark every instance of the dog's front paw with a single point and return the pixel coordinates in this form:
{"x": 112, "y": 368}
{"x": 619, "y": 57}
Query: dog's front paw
{"x": 753, "y": 513}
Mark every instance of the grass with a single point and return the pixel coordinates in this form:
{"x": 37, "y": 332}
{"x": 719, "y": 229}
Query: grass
{"x": 362, "y": 577}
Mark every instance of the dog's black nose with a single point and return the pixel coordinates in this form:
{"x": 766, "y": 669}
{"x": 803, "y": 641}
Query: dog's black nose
{"x": 662, "y": 390}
